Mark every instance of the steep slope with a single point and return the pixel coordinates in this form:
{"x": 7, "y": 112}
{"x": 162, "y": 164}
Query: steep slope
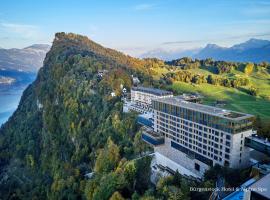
{"x": 63, "y": 118}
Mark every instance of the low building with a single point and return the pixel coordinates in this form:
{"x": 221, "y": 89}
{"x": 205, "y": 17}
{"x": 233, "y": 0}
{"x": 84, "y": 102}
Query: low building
{"x": 143, "y": 96}
{"x": 257, "y": 188}
{"x": 141, "y": 99}
{"x": 260, "y": 190}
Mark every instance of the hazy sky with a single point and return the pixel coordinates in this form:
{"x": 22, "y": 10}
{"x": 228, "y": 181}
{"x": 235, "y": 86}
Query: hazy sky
{"x": 134, "y": 26}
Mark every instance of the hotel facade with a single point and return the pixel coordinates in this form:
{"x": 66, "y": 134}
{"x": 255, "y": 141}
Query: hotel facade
{"x": 141, "y": 99}
{"x": 197, "y": 136}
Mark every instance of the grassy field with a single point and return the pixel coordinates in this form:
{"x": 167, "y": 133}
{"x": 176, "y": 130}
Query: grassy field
{"x": 259, "y": 79}
{"x": 236, "y": 99}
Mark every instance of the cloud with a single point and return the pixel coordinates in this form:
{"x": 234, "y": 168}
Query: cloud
{"x": 142, "y": 7}
{"x": 181, "y": 42}
{"x": 23, "y": 30}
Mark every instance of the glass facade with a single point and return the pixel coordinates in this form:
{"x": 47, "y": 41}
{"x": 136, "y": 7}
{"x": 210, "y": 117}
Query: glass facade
{"x": 216, "y": 122}
{"x": 192, "y": 154}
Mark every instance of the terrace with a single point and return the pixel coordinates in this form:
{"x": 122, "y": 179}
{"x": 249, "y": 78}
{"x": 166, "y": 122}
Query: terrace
{"x": 151, "y": 137}
{"x": 153, "y": 91}
{"x": 179, "y": 101}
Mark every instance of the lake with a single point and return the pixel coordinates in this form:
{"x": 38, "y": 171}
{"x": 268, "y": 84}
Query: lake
{"x": 10, "y": 96}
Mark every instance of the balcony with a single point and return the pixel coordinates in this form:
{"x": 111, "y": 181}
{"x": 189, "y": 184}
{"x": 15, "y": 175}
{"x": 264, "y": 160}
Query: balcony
{"x": 151, "y": 137}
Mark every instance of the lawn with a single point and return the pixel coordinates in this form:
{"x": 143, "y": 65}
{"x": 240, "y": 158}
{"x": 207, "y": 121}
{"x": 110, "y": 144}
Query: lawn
{"x": 236, "y": 99}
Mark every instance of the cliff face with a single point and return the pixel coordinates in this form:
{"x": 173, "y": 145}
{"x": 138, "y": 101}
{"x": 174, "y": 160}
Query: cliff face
{"x": 64, "y": 117}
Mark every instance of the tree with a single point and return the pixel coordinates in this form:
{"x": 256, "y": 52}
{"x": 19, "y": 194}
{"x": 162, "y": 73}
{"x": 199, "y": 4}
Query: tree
{"x": 248, "y": 68}
{"x": 109, "y": 184}
{"x": 174, "y": 193}
{"x": 253, "y": 91}
{"x": 108, "y": 157}
{"x": 143, "y": 173}
{"x": 139, "y": 145}
{"x": 117, "y": 196}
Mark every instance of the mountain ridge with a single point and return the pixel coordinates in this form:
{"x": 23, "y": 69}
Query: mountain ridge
{"x": 252, "y": 50}
{"x": 28, "y": 59}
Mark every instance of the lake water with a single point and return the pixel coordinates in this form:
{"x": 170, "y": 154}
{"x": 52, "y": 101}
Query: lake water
{"x": 9, "y": 100}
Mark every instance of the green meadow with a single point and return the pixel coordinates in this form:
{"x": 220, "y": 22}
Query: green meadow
{"x": 235, "y": 99}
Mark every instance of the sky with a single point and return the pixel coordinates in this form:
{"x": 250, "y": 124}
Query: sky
{"x": 135, "y": 26}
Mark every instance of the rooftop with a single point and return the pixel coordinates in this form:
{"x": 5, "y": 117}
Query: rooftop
{"x": 154, "y": 91}
{"x": 262, "y": 186}
{"x": 261, "y": 140}
{"x": 181, "y": 102}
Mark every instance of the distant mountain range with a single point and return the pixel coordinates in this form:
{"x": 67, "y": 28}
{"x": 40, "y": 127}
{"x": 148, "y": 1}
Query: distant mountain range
{"x": 253, "y": 50}
{"x": 21, "y": 65}
{"x": 28, "y": 59}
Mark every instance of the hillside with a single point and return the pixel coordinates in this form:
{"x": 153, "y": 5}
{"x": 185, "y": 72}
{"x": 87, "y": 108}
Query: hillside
{"x": 68, "y": 124}
{"x": 63, "y": 118}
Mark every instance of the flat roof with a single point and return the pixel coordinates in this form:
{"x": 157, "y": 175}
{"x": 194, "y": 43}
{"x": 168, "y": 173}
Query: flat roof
{"x": 262, "y": 186}
{"x": 154, "y": 91}
{"x": 261, "y": 140}
{"x": 211, "y": 110}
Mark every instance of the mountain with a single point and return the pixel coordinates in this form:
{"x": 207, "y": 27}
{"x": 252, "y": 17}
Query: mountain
{"x": 22, "y": 65}
{"x": 253, "y": 50}
{"x": 64, "y": 117}
{"x": 28, "y": 59}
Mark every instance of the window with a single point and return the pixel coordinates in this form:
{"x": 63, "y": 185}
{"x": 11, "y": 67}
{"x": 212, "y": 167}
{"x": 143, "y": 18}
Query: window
{"x": 197, "y": 166}
{"x": 226, "y": 163}
{"x": 228, "y": 137}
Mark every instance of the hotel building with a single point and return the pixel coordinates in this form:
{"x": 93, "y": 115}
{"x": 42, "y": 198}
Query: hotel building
{"x": 141, "y": 98}
{"x": 197, "y": 136}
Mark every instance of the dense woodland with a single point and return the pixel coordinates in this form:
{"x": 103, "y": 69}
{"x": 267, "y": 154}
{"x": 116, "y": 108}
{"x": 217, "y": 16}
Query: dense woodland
{"x": 67, "y": 125}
